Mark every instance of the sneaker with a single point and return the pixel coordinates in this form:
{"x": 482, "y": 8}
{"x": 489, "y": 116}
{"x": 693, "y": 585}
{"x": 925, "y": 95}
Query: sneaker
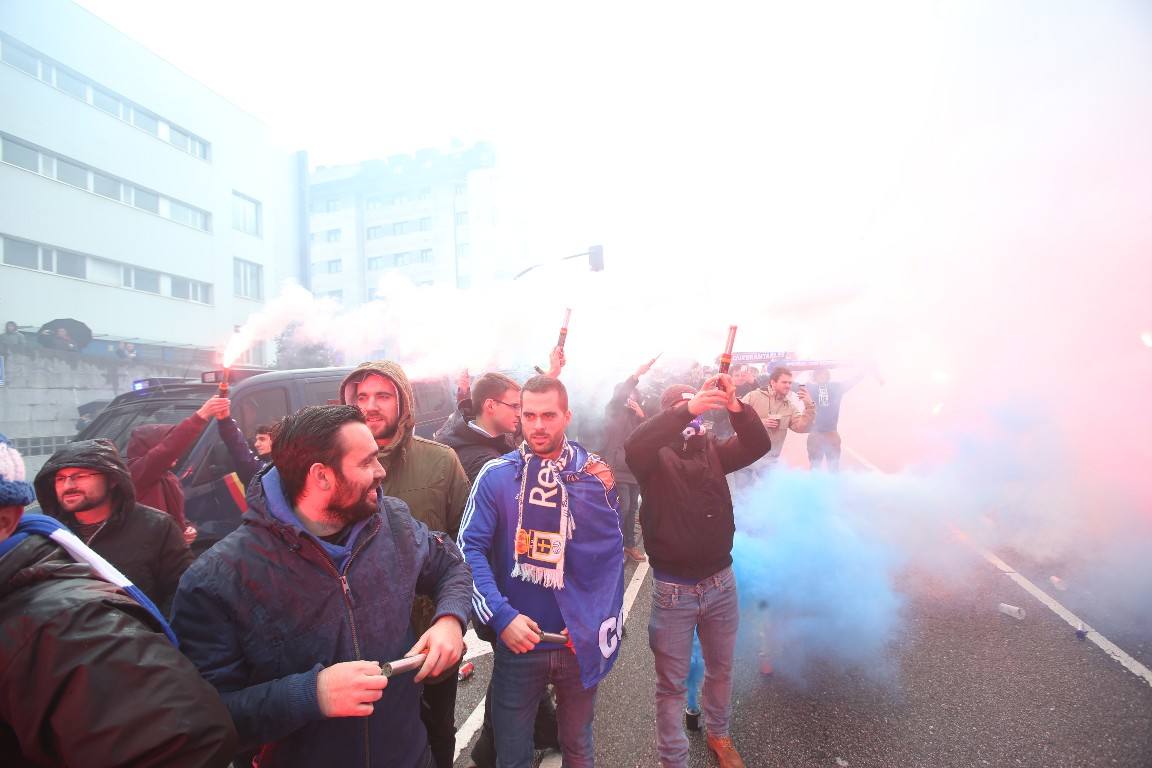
{"x": 635, "y": 553}
{"x": 725, "y": 751}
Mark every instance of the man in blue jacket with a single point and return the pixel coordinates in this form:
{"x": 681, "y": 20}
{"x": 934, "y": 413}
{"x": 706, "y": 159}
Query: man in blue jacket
{"x": 290, "y": 616}
{"x": 541, "y": 532}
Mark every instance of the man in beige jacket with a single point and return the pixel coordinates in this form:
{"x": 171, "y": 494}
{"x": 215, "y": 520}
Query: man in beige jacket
{"x": 779, "y": 412}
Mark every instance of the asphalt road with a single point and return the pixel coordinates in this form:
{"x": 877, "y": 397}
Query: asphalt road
{"x": 968, "y": 687}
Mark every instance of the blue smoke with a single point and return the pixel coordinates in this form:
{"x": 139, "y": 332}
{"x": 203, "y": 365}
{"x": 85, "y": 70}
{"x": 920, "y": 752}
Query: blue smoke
{"x": 816, "y": 583}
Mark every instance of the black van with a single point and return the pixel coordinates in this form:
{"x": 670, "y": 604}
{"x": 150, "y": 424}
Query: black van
{"x": 213, "y": 496}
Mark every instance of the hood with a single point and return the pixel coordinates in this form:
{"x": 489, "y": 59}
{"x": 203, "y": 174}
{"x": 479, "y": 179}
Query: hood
{"x": 93, "y": 454}
{"x": 146, "y": 437}
{"x": 390, "y": 370}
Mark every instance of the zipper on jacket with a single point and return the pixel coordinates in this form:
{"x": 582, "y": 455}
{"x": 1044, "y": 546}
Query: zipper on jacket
{"x": 348, "y": 603}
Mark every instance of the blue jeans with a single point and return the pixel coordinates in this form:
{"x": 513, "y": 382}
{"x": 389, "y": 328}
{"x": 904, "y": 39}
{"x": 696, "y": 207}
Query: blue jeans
{"x": 711, "y": 609}
{"x": 629, "y": 502}
{"x": 518, "y": 683}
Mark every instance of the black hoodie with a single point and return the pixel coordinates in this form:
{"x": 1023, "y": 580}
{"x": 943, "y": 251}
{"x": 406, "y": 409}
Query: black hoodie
{"x": 686, "y": 507}
{"x": 473, "y": 448}
{"x": 145, "y": 544}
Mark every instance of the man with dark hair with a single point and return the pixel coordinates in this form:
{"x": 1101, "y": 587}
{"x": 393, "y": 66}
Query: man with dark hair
{"x": 262, "y": 442}
{"x": 688, "y": 528}
{"x": 779, "y": 410}
{"x": 542, "y": 534}
{"x": 291, "y": 614}
{"x": 488, "y": 419}
{"x": 86, "y": 486}
{"x": 427, "y": 477}
{"x": 89, "y": 670}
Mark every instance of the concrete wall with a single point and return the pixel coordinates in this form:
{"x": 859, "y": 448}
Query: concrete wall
{"x": 43, "y": 387}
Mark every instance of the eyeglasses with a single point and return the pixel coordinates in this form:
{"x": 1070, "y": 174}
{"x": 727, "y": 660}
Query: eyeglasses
{"x": 514, "y": 406}
{"x": 79, "y": 477}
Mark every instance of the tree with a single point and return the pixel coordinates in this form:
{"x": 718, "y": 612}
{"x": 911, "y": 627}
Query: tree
{"x": 293, "y": 352}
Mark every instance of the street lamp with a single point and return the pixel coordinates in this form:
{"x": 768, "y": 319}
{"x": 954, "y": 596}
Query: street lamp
{"x": 595, "y": 254}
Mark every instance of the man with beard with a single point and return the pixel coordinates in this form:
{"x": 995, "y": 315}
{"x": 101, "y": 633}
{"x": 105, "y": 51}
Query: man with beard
{"x": 87, "y": 487}
{"x": 290, "y": 615}
{"x": 89, "y": 670}
{"x": 542, "y": 535}
{"x": 427, "y": 477}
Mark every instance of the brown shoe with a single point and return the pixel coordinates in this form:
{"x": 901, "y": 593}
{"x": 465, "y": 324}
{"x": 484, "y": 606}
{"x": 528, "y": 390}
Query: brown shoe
{"x": 635, "y": 553}
{"x": 725, "y": 751}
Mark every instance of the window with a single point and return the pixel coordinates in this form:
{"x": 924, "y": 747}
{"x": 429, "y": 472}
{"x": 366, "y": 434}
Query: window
{"x": 332, "y": 204}
{"x": 146, "y": 121}
{"x": 462, "y": 219}
{"x": 249, "y": 279}
{"x": 106, "y": 101}
{"x": 425, "y": 256}
{"x": 71, "y": 84}
{"x": 401, "y": 228}
{"x": 332, "y": 266}
{"x": 21, "y": 59}
{"x": 20, "y": 155}
{"x": 245, "y": 214}
{"x": 200, "y": 149}
{"x": 425, "y": 224}
{"x": 425, "y": 193}
{"x": 193, "y": 290}
{"x": 47, "y": 260}
{"x": 70, "y": 264}
{"x": 186, "y": 214}
{"x": 178, "y": 138}
{"x": 462, "y": 250}
{"x": 378, "y": 262}
{"x": 19, "y": 253}
{"x": 375, "y": 233}
{"x": 375, "y": 201}
{"x": 104, "y": 185}
{"x": 145, "y": 200}
{"x": 332, "y": 236}
{"x": 461, "y": 188}
{"x": 141, "y": 279}
{"x": 70, "y": 173}
{"x": 400, "y": 259}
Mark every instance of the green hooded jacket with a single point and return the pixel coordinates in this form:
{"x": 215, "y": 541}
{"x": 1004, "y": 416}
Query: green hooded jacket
{"x": 425, "y": 475}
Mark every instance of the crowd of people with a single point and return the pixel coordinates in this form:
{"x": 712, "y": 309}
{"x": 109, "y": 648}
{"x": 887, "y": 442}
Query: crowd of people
{"x": 363, "y": 543}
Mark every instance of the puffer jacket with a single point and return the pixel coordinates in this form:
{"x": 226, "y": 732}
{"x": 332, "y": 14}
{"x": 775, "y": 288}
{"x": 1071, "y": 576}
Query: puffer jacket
{"x": 686, "y": 507}
{"x": 152, "y": 451}
{"x": 87, "y": 677}
{"x": 423, "y": 474}
{"x": 144, "y": 544}
{"x": 266, "y": 609}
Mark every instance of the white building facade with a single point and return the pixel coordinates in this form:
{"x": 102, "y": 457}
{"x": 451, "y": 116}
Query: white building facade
{"x": 135, "y": 199}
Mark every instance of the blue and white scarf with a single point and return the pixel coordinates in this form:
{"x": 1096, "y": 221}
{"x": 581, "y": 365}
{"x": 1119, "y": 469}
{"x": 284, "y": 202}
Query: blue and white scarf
{"x": 544, "y": 523}
{"x": 42, "y": 525}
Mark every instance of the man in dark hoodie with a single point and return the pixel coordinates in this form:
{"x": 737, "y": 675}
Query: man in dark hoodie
{"x": 622, "y": 415}
{"x": 688, "y": 528}
{"x": 153, "y": 449}
{"x": 88, "y": 673}
{"x": 290, "y": 616}
{"x": 427, "y": 477}
{"x": 86, "y": 486}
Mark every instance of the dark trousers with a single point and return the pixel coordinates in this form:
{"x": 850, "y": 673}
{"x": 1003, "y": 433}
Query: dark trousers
{"x": 823, "y": 445}
{"x": 438, "y": 711}
{"x": 629, "y": 502}
{"x": 544, "y": 731}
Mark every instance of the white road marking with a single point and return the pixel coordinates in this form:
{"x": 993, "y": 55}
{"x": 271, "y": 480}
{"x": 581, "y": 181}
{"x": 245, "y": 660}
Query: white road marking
{"x": 1074, "y": 621}
{"x": 465, "y": 732}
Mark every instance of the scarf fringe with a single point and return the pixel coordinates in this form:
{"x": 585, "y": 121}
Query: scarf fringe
{"x": 534, "y": 574}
